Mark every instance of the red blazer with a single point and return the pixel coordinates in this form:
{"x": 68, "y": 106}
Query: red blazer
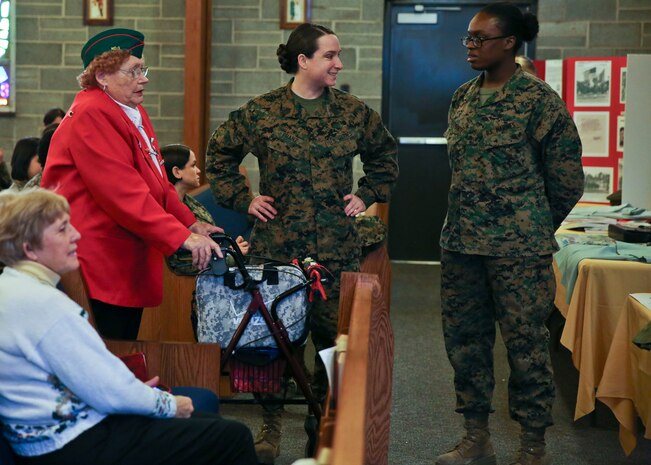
{"x": 128, "y": 215}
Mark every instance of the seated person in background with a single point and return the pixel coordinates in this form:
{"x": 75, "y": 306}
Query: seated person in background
{"x": 53, "y": 115}
{"x": 64, "y": 398}
{"x": 24, "y": 162}
{"x": 5, "y": 179}
{"x": 183, "y": 173}
{"x": 41, "y": 151}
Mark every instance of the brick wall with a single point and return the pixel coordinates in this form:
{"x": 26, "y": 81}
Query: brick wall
{"x": 50, "y": 34}
{"x": 570, "y": 28}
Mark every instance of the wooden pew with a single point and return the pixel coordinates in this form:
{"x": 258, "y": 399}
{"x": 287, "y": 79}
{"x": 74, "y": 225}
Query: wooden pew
{"x": 355, "y": 430}
{"x": 177, "y": 363}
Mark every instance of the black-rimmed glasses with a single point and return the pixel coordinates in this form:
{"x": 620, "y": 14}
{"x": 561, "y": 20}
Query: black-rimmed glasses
{"x": 478, "y": 41}
{"x": 135, "y": 73}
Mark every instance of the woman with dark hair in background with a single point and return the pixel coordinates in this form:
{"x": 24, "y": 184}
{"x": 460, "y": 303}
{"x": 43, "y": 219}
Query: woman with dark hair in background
{"x": 305, "y": 136}
{"x": 24, "y": 162}
{"x": 183, "y": 172}
{"x": 515, "y": 157}
{"x": 43, "y": 147}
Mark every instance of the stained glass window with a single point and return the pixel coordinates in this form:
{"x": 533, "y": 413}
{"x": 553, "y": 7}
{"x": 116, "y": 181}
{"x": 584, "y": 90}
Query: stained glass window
{"x": 7, "y": 57}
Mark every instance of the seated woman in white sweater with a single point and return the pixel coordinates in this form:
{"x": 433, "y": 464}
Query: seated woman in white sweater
{"x": 64, "y": 398}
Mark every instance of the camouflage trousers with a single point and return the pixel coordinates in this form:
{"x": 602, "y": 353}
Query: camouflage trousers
{"x": 324, "y": 316}
{"x": 518, "y": 294}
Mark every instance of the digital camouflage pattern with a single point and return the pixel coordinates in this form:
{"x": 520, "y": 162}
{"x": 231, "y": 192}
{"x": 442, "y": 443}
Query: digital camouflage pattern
{"x": 181, "y": 262}
{"x": 5, "y": 178}
{"x": 518, "y": 293}
{"x": 306, "y": 166}
{"x": 516, "y": 169}
{"x": 371, "y": 231}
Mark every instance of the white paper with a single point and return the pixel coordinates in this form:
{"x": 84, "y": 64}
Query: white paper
{"x": 554, "y": 75}
{"x": 328, "y": 357}
{"x": 643, "y": 298}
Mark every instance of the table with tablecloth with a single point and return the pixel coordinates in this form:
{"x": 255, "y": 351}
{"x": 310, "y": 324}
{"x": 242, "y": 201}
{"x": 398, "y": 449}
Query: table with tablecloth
{"x": 625, "y": 385}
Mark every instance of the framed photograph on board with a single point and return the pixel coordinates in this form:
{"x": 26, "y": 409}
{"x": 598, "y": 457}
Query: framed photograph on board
{"x": 592, "y": 84}
{"x": 98, "y": 12}
{"x": 593, "y": 131}
{"x": 622, "y": 86}
{"x": 598, "y": 183}
{"x": 294, "y": 13}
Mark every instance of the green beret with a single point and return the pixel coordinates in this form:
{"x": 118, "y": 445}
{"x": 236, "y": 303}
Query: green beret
{"x": 113, "y": 39}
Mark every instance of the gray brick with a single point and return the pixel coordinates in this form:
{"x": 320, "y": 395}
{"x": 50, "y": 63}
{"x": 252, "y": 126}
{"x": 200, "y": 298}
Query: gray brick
{"x": 270, "y": 10}
{"x": 232, "y": 103}
{"x": 74, "y": 8}
{"x": 374, "y": 103}
{"x": 28, "y": 78}
{"x": 68, "y": 98}
{"x": 614, "y": 34}
{"x": 27, "y": 125}
{"x": 222, "y": 32}
{"x": 359, "y": 27}
{"x": 152, "y": 54}
{"x": 573, "y": 28}
{"x": 646, "y": 42}
{"x": 237, "y": 56}
{"x": 647, "y": 28}
{"x": 349, "y": 58}
{"x": 370, "y": 52}
{"x": 543, "y": 53}
{"x": 163, "y": 24}
{"x": 268, "y": 63}
{"x": 39, "y": 54}
{"x": 552, "y": 10}
{"x": 37, "y": 103}
{"x": 373, "y": 10}
{"x": 635, "y": 15}
{"x": 173, "y": 8}
{"x": 176, "y": 36}
{"x": 351, "y": 40}
{"x": 172, "y": 49}
{"x": 370, "y": 65}
{"x": 235, "y": 3}
{"x": 319, "y": 15}
{"x": 170, "y": 137}
{"x": 220, "y": 75}
{"x": 560, "y": 41}
{"x": 129, "y": 10}
{"x": 239, "y": 12}
{"x": 221, "y": 88}
{"x": 64, "y": 35}
{"x": 323, "y": 4}
{"x": 163, "y": 80}
{"x": 268, "y": 38}
{"x": 363, "y": 84}
{"x": 267, "y": 51}
{"x": 62, "y": 23}
{"x": 620, "y": 52}
{"x": 603, "y": 10}
{"x": 38, "y": 9}
{"x": 250, "y": 25}
{"x": 588, "y": 52}
{"x": 59, "y": 78}
{"x": 27, "y": 29}
{"x": 172, "y": 62}
{"x": 164, "y": 124}
{"x": 634, "y": 3}
{"x": 256, "y": 82}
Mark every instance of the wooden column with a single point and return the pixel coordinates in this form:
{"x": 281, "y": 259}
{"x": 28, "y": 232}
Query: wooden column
{"x": 198, "y": 35}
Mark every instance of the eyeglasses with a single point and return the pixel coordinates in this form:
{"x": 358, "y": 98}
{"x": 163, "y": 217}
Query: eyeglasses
{"x": 135, "y": 73}
{"x": 478, "y": 41}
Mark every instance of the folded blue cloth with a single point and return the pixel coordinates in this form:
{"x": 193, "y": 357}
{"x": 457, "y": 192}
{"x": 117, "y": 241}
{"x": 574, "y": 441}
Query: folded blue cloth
{"x": 568, "y": 258}
{"x": 626, "y": 211}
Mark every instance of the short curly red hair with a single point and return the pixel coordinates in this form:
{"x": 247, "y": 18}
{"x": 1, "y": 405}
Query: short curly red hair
{"x": 107, "y": 62}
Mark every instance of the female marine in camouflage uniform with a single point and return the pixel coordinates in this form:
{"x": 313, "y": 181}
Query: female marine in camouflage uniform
{"x": 305, "y": 136}
{"x": 515, "y": 157}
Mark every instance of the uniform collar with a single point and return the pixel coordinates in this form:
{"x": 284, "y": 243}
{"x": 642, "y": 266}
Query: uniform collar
{"x": 515, "y": 82}
{"x": 332, "y": 104}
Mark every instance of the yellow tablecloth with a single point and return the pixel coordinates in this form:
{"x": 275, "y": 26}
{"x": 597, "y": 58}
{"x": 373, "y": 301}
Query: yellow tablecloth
{"x": 625, "y": 385}
{"x": 598, "y": 299}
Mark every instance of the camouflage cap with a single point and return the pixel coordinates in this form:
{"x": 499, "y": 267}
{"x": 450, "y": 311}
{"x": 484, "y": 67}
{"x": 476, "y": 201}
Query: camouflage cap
{"x": 113, "y": 39}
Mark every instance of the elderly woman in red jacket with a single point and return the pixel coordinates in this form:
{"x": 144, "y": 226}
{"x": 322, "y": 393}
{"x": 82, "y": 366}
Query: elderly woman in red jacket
{"x": 104, "y": 158}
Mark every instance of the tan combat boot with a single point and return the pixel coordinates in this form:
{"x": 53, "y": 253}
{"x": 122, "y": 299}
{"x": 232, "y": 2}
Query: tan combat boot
{"x": 267, "y": 442}
{"x": 532, "y": 448}
{"x": 474, "y": 449}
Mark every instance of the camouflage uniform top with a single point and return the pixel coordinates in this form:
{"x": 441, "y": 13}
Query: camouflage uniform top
{"x": 181, "y": 262}
{"x": 306, "y": 166}
{"x": 516, "y": 169}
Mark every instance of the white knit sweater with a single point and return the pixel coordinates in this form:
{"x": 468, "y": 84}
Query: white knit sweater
{"x": 57, "y": 379}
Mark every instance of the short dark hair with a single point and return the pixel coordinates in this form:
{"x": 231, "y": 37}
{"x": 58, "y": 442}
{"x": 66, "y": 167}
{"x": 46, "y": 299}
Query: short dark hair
{"x": 174, "y": 155}
{"x": 513, "y": 22}
{"x": 302, "y": 40}
{"x": 24, "y": 151}
{"x": 44, "y": 143}
{"x": 53, "y": 114}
